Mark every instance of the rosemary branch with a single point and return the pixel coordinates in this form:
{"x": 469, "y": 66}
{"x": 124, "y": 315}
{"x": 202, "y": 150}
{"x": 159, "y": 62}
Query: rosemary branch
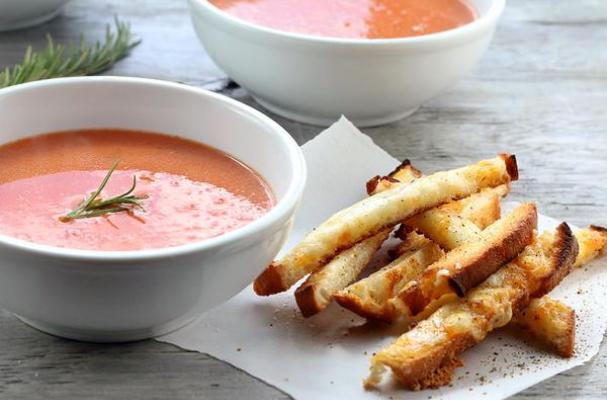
{"x": 59, "y": 60}
{"x": 96, "y": 207}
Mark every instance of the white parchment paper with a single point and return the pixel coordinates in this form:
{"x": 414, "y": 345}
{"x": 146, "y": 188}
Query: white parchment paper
{"x": 327, "y": 356}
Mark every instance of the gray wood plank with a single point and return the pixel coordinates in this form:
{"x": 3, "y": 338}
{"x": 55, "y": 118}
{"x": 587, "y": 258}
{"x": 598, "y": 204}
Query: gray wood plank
{"x": 539, "y": 92}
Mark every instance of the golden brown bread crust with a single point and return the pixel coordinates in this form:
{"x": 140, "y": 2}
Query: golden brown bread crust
{"x": 372, "y": 184}
{"x": 440, "y": 377}
{"x": 269, "y": 281}
{"x": 403, "y": 173}
{"x": 511, "y": 165}
{"x": 430, "y": 376}
{"x": 564, "y": 259}
{"x": 512, "y": 244}
{"x": 305, "y": 296}
{"x": 403, "y": 165}
{"x": 466, "y": 266}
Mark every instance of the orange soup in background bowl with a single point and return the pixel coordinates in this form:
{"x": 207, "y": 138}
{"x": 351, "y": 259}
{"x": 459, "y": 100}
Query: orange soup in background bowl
{"x": 130, "y": 206}
{"x": 375, "y": 61}
{"x": 357, "y": 19}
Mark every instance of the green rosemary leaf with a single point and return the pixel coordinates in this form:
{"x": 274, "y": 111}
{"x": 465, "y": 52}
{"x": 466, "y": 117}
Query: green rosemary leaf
{"x": 58, "y": 60}
{"x": 94, "y": 206}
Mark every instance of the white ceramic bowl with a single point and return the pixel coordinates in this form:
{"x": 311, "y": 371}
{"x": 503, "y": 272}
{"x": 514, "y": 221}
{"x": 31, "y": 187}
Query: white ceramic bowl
{"x": 130, "y": 295}
{"x": 317, "y": 79}
{"x": 16, "y": 14}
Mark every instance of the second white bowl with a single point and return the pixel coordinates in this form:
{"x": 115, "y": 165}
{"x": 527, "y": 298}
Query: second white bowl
{"x": 316, "y": 79}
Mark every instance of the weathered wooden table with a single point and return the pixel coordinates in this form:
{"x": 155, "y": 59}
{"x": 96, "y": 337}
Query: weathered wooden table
{"x": 540, "y": 92}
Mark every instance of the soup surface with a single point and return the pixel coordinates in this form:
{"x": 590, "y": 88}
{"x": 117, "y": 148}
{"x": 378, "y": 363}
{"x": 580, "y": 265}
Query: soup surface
{"x": 372, "y": 19}
{"x": 190, "y": 192}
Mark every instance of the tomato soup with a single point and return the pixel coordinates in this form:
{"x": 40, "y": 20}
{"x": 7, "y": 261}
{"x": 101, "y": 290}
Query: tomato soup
{"x": 185, "y": 191}
{"x": 372, "y": 19}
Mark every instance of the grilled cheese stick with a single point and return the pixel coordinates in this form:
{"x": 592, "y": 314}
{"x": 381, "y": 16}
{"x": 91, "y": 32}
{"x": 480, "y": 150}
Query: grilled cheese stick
{"x": 439, "y": 340}
{"x": 468, "y": 265}
{"x": 378, "y": 212}
{"x": 467, "y": 208}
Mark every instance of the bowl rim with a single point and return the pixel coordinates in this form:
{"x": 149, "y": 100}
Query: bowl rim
{"x": 282, "y": 208}
{"x": 479, "y": 24}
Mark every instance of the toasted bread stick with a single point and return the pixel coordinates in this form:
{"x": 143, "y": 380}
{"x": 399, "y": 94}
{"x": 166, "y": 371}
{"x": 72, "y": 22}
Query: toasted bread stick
{"x": 378, "y": 212}
{"x": 466, "y": 208}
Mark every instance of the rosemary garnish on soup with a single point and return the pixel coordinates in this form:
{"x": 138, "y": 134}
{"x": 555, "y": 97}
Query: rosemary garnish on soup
{"x": 95, "y": 206}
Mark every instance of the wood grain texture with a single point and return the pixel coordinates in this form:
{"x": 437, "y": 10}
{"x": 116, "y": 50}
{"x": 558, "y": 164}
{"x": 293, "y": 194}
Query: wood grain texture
{"x": 539, "y": 92}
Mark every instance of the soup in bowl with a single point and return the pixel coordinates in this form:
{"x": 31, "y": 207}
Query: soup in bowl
{"x": 160, "y": 190}
{"x": 361, "y": 19}
{"x": 374, "y": 61}
{"x": 131, "y": 205}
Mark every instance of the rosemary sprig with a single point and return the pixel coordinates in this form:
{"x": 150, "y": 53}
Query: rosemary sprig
{"x": 96, "y": 207}
{"x": 59, "y": 60}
